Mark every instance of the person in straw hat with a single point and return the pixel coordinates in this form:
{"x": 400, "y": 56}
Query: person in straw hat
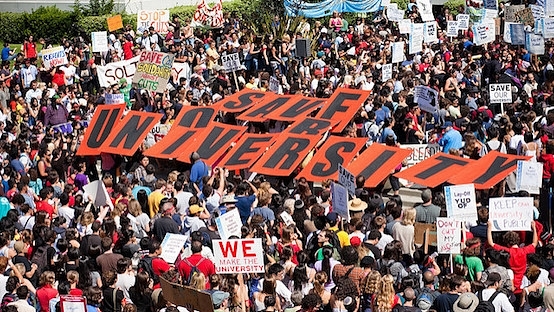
{"x": 356, "y": 207}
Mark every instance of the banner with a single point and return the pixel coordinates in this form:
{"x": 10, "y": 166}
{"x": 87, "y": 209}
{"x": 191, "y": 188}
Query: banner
{"x": 347, "y": 179}
{"x": 405, "y": 25}
{"x": 231, "y": 62}
{"x": 430, "y": 32}
{"x": 114, "y": 23}
{"x": 53, "y": 57}
{"x": 511, "y": 213}
{"x": 229, "y": 224}
{"x": 206, "y": 16}
{"x": 111, "y": 98}
{"x": 159, "y": 19}
{"x": 452, "y": 28}
{"x": 171, "y": 246}
{"x": 99, "y": 41}
{"x": 427, "y": 98}
{"x": 463, "y": 21}
{"x": 111, "y": 73}
{"x": 484, "y": 32}
{"x": 534, "y": 43}
{"x": 460, "y": 202}
{"x": 529, "y": 177}
{"x": 435, "y": 170}
{"x": 153, "y": 71}
{"x": 517, "y": 33}
{"x": 339, "y": 199}
{"x": 416, "y": 38}
{"x": 238, "y": 256}
{"x": 420, "y": 152}
{"x": 449, "y": 236}
{"x": 500, "y": 92}
{"x": 386, "y": 72}
{"x": 398, "y": 52}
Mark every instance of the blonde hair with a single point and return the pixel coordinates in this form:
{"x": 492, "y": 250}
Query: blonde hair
{"x": 172, "y": 176}
{"x": 386, "y": 294}
{"x": 371, "y": 283}
{"x": 134, "y": 208}
{"x": 48, "y": 277}
{"x": 86, "y": 218}
{"x": 118, "y": 210}
{"x": 319, "y": 283}
{"x": 264, "y": 198}
{"x": 73, "y": 277}
{"x": 20, "y": 267}
{"x": 408, "y": 216}
{"x": 286, "y": 38}
{"x": 198, "y": 281}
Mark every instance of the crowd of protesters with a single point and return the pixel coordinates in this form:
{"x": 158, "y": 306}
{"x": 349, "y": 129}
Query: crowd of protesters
{"x": 55, "y": 241}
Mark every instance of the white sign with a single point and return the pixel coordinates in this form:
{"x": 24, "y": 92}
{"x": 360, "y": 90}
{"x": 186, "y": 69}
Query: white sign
{"x": 404, "y": 26}
{"x": 229, "y": 224}
{"x": 511, "y": 213}
{"x": 274, "y": 84}
{"x": 538, "y": 11}
{"x": 53, "y": 57}
{"x": 460, "y": 202}
{"x": 111, "y": 98}
{"x": 549, "y": 7}
{"x": 430, "y": 32}
{"x": 484, "y": 32}
{"x": 548, "y": 27}
{"x": 452, "y": 28}
{"x": 529, "y": 176}
{"x": 500, "y": 93}
{"x": 416, "y": 38}
{"x": 395, "y": 15}
{"x": 449, "y": 236}
{"x": 534, "y": 43}
{"x": 231, "y": 62}
{"x": 507, "y": 32}
{"x": 156, "y": 134}
{"x": 425, "y": 10}
{"x": 239, "y": 256}
{"x": 420, "y": 152}
{"x": 339, "y": 199}
{"x": 172, "y": 246}
{"x": 287, "y": 218}
{"x": 386, "y": 72}
{"x": 97, "y": 190}
{"x": 159, "y": 19}
{"x": 347, "y": 179}
{"x": 111, "y": 73}
{"x": 427, "y": 98}
{"x": 463, "y": 21}
{"x": 398, "y": 52}
{"x": 517, "y": 33}
{"x": 99, "y": 41}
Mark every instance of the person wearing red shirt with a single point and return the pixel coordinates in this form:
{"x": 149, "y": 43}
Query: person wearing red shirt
{"x": 43, "y": 205}
{"x": 204, "y": 265}
{"x": 548, "y": 160}
{"x": 46, "y": 290}
{"x": 518, "y": 255}
{"x": 127, "y": 47}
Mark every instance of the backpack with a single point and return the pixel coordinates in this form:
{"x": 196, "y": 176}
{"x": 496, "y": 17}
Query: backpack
{"x": 40, "y": 258}
{"x": 415, "y": 274}
{"x": 145, "y": 265}
{"x": 193, "y": 270}
{"x": 485, "y": 306}
{"x": 312, "y": 245}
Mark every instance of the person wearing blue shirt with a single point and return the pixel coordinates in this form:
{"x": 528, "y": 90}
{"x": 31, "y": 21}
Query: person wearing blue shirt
{"x": 452, "y": 139}
{"x": 7, "y": 53}
{"x": 198, "y": 170}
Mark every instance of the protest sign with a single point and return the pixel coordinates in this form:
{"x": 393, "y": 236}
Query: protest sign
{"x": 510, "y": 12}
{"x": 452, "y": 28}
{"x": 404, "y": 26}
{"x": 511, "y": 213}
{"x": 517, "y": 33}
{"x": 153, "y": 71}
{"x": 206, "y": 16}
{"x": 73, "y": 304}
{"x": 172, "y": 245}
{"x": 181, "y": 70}
{"x": 507, "y": 32}
{"x": 346, "y": 179}
{"x": 430, "y": 32}
{"x": 489, "y": 14}
{"x": 231, "y": 62}
{"x": 339, "y": 198}
{"x": 111, "y": 73}
{"x": 538, "y": 27}
{"x": 420, "y": 152}
{"x": 229, "y": 224}
{"x": 395, "y": 15}
{"x": 449, "y": 236}
{"x": 534, "y": 43}
{"x": 99, "y": 41}
{"x": 111, "y": 98}
{"x": 549, "y": 7}
{"x": 529, "y": 176}
{"x": 537, "y": 10}
{"x": 425, "y": 10}
{"x": 416, "y": 38}
{"x": 287, "y": 218}
{"x": 159, "y": 19}
{"x": 53, "y": 57}
{"x": 398, "y": 52}
{"x": 97, "y": 190}
{"x": 186, "y": 297}
{"x": 463, "y": 21}
{"x": 156, "y": 134}
{"x": 484, "y": 32}
{"x": 500, "y": 93}
{"x": 274, "y": 84}
{"x": 238, "y": 256}
{"x": 490, "y": 5}
{"x": 460, "y": 202}
{"x": 525, "y": 16}
{"x": 114, "y": 22}
{"x": 427, "y": 98}
{"x": 386, "y": 72}
{"x": 547, "y": 27}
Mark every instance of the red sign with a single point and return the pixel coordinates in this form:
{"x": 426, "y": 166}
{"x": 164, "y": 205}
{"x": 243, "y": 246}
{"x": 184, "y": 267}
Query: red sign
{"x": 130, "y": 132}
{"x": 435, "y": 170}
{"x": 342, "y": 106}
{"x": 247, "y": 150}
{"x": 102, "y": 123}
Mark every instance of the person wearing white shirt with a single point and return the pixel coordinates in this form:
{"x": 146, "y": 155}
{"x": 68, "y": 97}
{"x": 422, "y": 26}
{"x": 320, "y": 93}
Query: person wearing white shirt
{"x": 70, "y": 73}
{"x": 500, "y": 301}
{"x": 65, "y": 211}
{"x": 278, "y": 271}
{"x": 182, "y": 197}
{"x": 34, "y": 92}
{"x": 125, "y": 277}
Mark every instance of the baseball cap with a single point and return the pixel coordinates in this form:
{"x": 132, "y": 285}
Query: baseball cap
{"x": 219, "y": 296}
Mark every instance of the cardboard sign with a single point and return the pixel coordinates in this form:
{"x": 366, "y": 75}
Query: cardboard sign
{"x": 231, "y": 62}
{"x": 347, "y": 179}
{"x": 405, "y": 25}
{"x": 449, "y": 236}
{"x": 172, "y": 245}
{"x": 187, "y": 297}
{"x": 416, "y": 38}
{"x": 398, "y": 52}
{"x": 511, "y": 213}
{"x": 510, "y": 12}
{"x": 377, "y": 162}
{"x": 395, "y": 15}
{"x": 537, "y": 10}
{"x": 97, "y": 190}
{"x": 99, "y": 41}
{"x": 529, "y": 177}
{"x": 111, "y": 73}
{"x": 434, "y": 170}
{"x": 339, "y": 199}
{"x": 103, "y": 121}
{"x": 547, "y": 27}
{"x": 420, "y": 152}
{"x": 114, "y": 22}
{"x": 153, "y": 71}
{"x": 241, "y": 100}
{"x": 463, "y": 21}
{"x": 525, "y": 16}
{"x": 452, "y": 28}
{"x": 342, "y": 106}
{"x": 129, "y": 133}
{"x": 425, "y": 9}
{"x": 336, "y": 150}
{"x": 229, "y": 224}
{"x": 246, "y": 151}
{"x": 484, "y": 32}
{"x": 297, "y": 108}
{"x": 500, "y": 92}
{"x": 517, "y": 34}
{"x": 549, "y": 7}
{"x": 111, "y": 98}
{"x": 159, "y": 19}
{"x": 430, "y": 32}
{"x": 274, "y": 84}
{"x": 73, "y": 304}
{"x": 386, "y": 72}
{"x": 238, "y": 256}
{"x": 427, "y": 98}
{"x": 260, "y": 111}
{"x": 460, "y": 202}
{"x": 534, "y": 43}
{"x": 53, "y": 57}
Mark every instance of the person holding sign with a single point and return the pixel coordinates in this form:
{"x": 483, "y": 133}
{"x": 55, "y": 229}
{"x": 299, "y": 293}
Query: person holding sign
{"x": 469, "y": 264}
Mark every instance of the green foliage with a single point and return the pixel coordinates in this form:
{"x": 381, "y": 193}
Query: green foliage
{"x": 88, "y": 24}
{"x": 455, "y": 6}
{"x": 49, "y": 23}
{"x": 12, "y": 27}
{"x": 402, "y": 4}
{"x": 94, "y": 7}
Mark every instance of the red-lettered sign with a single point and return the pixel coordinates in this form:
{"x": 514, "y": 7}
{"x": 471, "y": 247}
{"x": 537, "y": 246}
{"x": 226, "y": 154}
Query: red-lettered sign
{"x": 239, "y": 256}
